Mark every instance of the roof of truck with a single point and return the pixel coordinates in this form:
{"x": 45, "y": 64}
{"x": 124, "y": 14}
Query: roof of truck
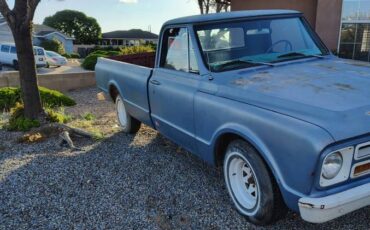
{"x": 228, "y": 15}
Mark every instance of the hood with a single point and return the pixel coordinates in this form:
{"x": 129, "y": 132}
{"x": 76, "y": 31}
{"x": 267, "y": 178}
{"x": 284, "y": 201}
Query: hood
{"x": 331, "y": 93}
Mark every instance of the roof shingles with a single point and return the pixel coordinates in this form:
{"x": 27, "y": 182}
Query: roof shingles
{"x": 130, "y": 34}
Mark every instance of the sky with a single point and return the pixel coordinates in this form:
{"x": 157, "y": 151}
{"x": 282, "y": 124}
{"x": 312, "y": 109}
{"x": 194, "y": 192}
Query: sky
{"x": 121, "y": 14}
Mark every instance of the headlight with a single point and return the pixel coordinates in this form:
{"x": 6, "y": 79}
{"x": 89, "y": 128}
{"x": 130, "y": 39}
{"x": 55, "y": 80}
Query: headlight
{"x": 332, "y": 165}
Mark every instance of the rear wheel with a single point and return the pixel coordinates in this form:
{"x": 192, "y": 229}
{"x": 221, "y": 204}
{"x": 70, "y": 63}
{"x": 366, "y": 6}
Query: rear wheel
{"x": 15, "y": 65}
{"x": 127, "y": 123}
{"x": 250, "y": 185}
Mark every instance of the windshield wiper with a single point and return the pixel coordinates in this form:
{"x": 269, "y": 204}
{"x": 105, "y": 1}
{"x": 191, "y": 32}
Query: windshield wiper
{"x": 298, "y": 54}
{"x": 240, "y": 61}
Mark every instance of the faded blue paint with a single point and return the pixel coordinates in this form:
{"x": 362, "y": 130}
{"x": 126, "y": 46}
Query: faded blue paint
{"x": 293, "y": 113}
{"x": 67, "y": 42}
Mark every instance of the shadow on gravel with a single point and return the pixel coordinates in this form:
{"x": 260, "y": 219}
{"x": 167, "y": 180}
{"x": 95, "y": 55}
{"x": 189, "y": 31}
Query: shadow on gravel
{"x": 125, "y": 184}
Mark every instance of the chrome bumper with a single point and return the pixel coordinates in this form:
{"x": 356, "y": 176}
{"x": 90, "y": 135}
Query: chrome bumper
{"x": 319, "y": 210}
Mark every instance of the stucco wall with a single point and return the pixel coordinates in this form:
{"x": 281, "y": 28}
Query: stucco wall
{"x": 5, "y": 34}
{"x": 328, "y": 20}
{"x": 60, "y": 82}
{"x": 323, "y": 15}
{"x": 308, "y": 7}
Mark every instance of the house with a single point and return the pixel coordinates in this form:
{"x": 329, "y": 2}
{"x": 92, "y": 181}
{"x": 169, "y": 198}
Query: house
{"x": 343, "y": 25}
{"x": 132, "y": 37}
{"x": 43, "y": 32}
{"x": 5, "y": 32}
{"x": 40, "y": 33}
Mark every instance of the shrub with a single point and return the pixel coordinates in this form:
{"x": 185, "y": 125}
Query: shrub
{"x": 89, "y": 117}
{"x": 53, "y": 45}
{"x": 9, "y": 96}
{"x": 75, "y": 55}
{"x": 136, "y": 50}
{"x": 90, "y": 61}
{"x": 58, "y": 117}
{"x": 53, "y": 99}
{"x": 66, "y": 55}
{"x": 18, "y": 122}
{"x": 72, "y": 55}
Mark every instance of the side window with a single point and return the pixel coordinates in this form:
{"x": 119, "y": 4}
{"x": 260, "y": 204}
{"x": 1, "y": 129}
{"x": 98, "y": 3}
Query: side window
{"x": 5, "y": 49}
{"x": 13, "y": 50}
{"x": 178, "y": 52}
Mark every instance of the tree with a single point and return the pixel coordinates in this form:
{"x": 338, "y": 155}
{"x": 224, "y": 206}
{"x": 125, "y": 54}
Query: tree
{"x": 20, "y": 20}
{"x": 206, "y": 6}
{"x": 84, "y": 29}
{"x": 53, "y": 45}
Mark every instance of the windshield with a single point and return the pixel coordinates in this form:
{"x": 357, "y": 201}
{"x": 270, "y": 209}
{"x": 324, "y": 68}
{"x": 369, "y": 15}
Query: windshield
{"x": 249, "y": 43}
{"x": 51, "y": 54}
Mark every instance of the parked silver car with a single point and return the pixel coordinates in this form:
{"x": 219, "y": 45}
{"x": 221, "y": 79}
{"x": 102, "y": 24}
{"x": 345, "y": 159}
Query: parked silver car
{"x": 55, "y": 59}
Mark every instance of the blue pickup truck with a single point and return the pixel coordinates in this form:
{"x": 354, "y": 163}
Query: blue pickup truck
{"x": 258, "y": 94}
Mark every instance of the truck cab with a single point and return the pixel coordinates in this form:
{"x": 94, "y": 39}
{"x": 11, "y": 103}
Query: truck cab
{"x": 258, "y": 94}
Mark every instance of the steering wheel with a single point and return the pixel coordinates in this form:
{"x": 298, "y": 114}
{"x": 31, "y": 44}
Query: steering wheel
{"x": 288, "y": 44}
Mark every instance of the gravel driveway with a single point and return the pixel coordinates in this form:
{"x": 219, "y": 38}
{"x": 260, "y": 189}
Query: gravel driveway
{"x": 122, "y": 182}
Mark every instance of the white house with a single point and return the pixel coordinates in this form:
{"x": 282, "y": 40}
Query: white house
{"x": 5, "y": 33}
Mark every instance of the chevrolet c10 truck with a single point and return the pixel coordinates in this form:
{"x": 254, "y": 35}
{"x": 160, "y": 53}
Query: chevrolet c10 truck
{"x": 258, "y": 94}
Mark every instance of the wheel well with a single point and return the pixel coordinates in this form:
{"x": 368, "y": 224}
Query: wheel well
{"x": 113, "y": 92}
{"x": 221, "y": 145}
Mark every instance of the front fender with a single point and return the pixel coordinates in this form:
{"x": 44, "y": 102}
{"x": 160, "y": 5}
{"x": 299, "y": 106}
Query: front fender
{"x": 290, "y": 147}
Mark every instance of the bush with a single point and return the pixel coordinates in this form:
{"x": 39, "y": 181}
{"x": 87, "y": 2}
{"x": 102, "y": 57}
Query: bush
{"x": 75, "y": 55}
{"x": 91, "y": 60}
{"x": 58, "y": 117}
{"x": 18, "y": 122}
{"x": 72, "y": 55}
{"x": 53, "y": 99}
{"x": 136, "y": 50}
{"x": 9, "y": 96}
{"x": 53, "y": 45}
{"x": 66, "y": 55}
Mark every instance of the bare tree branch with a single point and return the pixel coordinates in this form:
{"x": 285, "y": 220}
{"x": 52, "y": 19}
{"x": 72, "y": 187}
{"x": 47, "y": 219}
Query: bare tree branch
{"x": 6, "y": 12}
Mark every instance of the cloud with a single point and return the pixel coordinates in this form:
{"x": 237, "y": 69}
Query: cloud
{"x": 128, "y": 1}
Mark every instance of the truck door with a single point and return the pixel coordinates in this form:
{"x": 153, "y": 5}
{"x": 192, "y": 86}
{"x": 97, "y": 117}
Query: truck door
{"x": 172, "y": 88}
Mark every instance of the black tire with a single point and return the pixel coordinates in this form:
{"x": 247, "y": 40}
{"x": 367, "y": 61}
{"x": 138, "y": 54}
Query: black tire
{"x": 269, "y": 205}
{"x": 47, "y": 65}
{"x": 16, "y": 65}
{"x": 126, "y": 121}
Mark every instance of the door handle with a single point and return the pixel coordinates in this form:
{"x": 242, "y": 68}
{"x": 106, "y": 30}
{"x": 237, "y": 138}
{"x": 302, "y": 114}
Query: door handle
{"x": 155, "y": 82}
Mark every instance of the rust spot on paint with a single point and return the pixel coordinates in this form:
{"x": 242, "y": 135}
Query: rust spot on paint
{"x": 259, "y": 77}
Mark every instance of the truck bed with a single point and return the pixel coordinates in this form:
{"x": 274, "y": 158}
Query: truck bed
{"x": 131, "y": 81}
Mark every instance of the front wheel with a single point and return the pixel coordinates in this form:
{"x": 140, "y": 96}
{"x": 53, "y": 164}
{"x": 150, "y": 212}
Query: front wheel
{"x": 127, "y": 123}
{"x": 250, "y": 185}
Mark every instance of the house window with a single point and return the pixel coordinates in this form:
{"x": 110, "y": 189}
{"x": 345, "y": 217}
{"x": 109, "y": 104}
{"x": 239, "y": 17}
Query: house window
{"x": 355, "y": 30}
